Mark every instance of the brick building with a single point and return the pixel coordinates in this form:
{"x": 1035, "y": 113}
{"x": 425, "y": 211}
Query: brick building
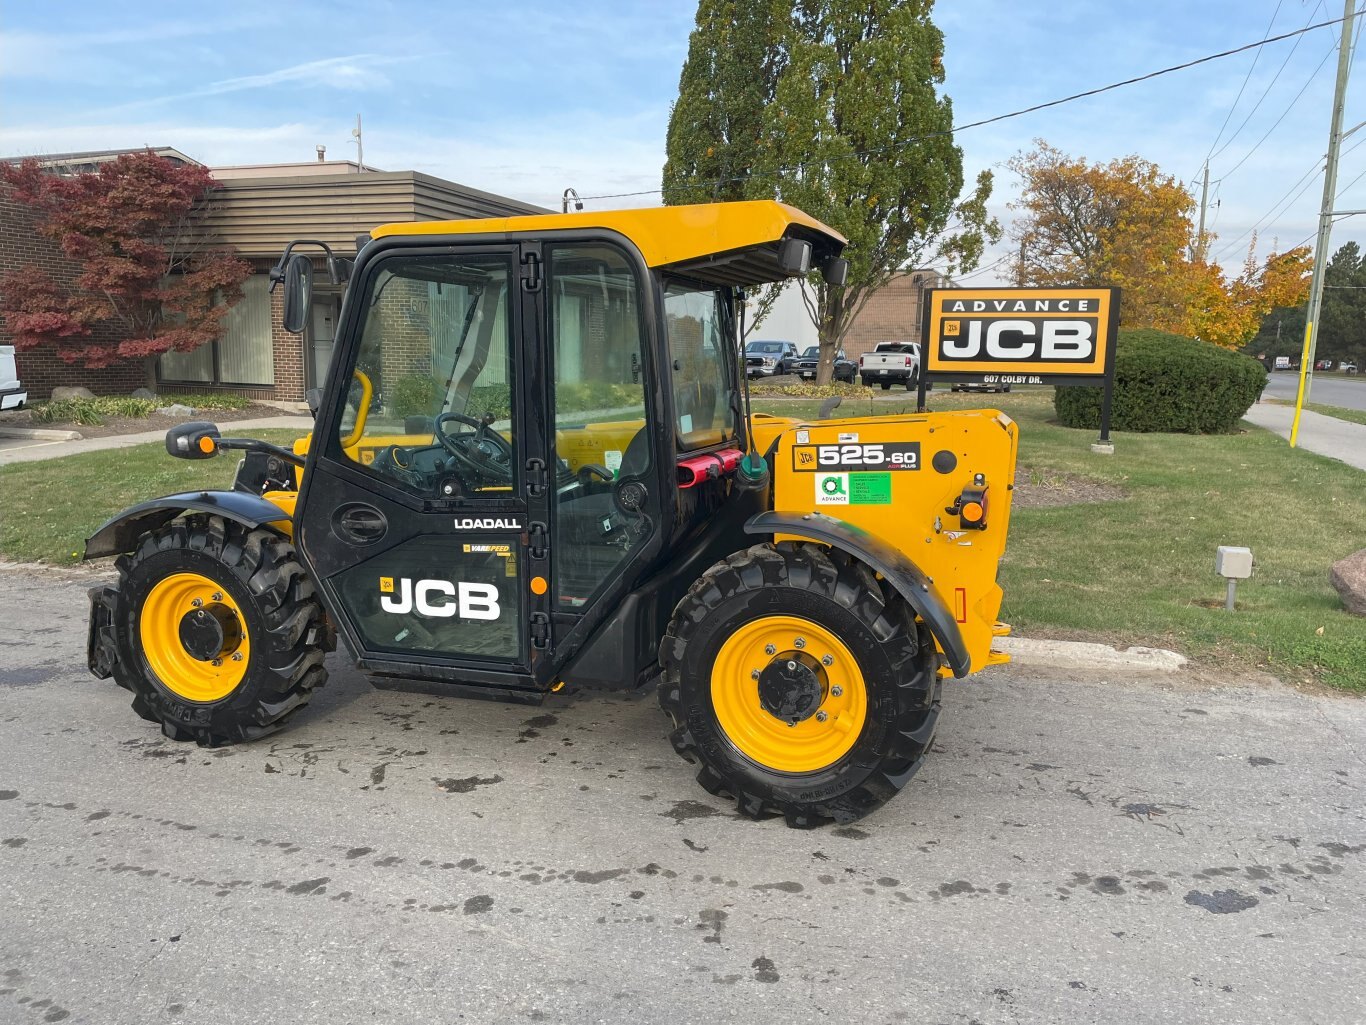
{"x": 258, "y": 209}
{"x": 892, "y": 313}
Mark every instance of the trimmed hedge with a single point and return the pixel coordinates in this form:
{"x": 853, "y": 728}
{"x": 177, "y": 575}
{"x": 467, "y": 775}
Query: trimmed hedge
{"x": 1171, "y": 384}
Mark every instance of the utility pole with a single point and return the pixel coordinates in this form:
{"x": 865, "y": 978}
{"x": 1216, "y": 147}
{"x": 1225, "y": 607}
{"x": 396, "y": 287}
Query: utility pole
{"x": 1330, "y": 188}
{"x": 1204, "y": 202}
{"x": 360, "y": 147}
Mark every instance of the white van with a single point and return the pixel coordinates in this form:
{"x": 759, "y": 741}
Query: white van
{"x": 12, "y": 395}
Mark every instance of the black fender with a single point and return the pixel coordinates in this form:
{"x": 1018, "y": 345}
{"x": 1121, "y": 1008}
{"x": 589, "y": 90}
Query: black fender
{"x": 121, "y": 533}
{"x": 904, "y": 575}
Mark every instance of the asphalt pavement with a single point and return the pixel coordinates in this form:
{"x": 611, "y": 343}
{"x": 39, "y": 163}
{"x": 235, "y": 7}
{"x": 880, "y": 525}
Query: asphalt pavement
{"x": 1345, "y": 390}
{"x": 1119, "y": 849}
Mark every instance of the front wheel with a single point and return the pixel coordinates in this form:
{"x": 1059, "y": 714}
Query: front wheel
{"x": 216, "y": 631}
{"x": 802, "y": 684}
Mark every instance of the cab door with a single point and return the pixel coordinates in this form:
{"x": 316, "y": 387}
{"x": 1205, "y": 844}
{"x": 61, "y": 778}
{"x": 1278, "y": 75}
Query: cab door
{"x": 423, "y": 508}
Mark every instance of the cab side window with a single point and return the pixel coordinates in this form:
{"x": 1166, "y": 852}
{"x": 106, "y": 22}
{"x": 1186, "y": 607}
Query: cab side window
{"x": 701, "y": 363}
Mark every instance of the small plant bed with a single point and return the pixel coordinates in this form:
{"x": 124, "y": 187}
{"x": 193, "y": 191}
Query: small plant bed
{"x": 1045, "y": 489}
{"x": 107, "y": 416}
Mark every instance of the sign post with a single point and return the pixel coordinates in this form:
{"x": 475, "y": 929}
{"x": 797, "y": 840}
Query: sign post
{"x": 1004, "y": 336}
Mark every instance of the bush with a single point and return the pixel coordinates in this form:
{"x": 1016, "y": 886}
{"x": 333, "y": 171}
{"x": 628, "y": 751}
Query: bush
{"x": 90, "y": 412}
{"x": 1167, "y": 383}
{"x": 810, "y": 391}
{"x": 208, "y": 400}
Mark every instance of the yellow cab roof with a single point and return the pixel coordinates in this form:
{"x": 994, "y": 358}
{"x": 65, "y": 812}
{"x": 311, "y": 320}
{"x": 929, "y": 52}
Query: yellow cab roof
{"x": 665, "y": 235}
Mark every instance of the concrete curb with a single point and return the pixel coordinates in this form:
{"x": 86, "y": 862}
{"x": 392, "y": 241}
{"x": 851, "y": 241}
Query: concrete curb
{"x": 1027, "y": 651}
{"x": 40, "y": 433}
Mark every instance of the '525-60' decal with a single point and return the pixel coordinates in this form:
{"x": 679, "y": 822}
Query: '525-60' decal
{"x": 895, "y": 455}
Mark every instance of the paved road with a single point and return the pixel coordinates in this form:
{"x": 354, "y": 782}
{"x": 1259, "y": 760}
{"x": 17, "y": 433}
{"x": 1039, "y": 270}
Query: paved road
{"x": 1076, "y": 851}
{"x": 1346, "y": 391}
{"x": 26, "y": 450}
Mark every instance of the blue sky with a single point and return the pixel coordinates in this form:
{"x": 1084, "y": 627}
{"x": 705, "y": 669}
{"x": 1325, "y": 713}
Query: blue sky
{"x": 527, "y": 98}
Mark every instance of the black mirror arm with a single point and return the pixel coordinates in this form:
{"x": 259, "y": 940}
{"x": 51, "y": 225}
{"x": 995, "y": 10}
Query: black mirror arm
{"x": 257, "y": 445}
{"x": 337, "y": 270}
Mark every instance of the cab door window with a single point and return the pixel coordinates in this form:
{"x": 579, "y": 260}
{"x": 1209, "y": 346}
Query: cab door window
{"x": 598, "y": 395}
{"x": 430, "y": 406}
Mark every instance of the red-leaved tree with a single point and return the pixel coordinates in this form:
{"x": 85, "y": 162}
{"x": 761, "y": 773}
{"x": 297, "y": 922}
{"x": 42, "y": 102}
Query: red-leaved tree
{"x": 151, "y": 280}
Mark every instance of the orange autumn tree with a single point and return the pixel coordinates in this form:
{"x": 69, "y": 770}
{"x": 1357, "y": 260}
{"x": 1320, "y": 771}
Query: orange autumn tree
{"x": 1126, "y": 223}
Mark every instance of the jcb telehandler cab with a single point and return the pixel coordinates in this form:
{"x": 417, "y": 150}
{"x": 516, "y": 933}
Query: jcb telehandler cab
{"x": 534, "y": 465}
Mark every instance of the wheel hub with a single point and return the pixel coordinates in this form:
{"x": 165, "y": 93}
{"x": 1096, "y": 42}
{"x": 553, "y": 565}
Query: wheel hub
{"x": 792, "y": 687}
{"x": 210, "y": 632}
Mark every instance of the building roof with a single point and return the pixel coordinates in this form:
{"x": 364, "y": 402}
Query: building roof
{"x": 258, "y": 217}
{"x": 88, "y": 159}
{"x": 300, "y": 169}
{"x": 665, "y": 235}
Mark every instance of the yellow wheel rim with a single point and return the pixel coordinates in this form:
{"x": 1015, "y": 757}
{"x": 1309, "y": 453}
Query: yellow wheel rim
{"x": 197, "y": 672}
{"x": 831, "y": 700}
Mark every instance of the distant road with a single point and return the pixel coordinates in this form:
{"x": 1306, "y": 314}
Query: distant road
{"x": 1330, "y": 389}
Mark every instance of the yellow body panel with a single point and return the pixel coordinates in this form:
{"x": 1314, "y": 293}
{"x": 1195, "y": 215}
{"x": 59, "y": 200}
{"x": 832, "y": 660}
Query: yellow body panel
{"x": 908, "y": 508}
{"x": 664, "y": 235}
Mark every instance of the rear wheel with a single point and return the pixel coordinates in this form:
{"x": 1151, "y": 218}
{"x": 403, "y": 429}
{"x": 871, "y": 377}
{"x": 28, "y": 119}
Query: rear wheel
{"x": 219, "y": 634}
{"x": 801, "y": 684}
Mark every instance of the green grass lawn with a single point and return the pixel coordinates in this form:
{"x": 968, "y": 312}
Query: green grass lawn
{"x": 1133, "y": 570}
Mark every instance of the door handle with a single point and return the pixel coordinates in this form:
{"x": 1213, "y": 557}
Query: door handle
{"x": 359, "y": 524}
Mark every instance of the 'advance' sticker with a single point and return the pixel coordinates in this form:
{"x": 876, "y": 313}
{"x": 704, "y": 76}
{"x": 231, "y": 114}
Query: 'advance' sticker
{"x": 854, "y": 489}
{"x": 896, "y": 455}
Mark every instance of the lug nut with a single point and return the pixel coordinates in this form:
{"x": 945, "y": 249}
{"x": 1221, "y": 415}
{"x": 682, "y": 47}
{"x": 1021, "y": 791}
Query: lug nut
{"x": 217, "y": 662}
{"x": 754, "y": 674}
{"x": 237, "y": 657}
{"x": 821, "y": 717}
{"x": 836, "y": 691}
{"x": 800, "y": 642}
{"x": 770, "y": 649}
{"x": 196, "y": 602}
{"x": 216, "y": 596}
{"x": 827, "y": 660}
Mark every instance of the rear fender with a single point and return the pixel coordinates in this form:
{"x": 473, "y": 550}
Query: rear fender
{"x": 121, "y": 533}
{"x": 905, "y": 576}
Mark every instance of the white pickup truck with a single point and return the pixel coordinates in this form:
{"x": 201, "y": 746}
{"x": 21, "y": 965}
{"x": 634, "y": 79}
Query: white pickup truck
{"x": 891, "y": 363}
{"x": 12, "y": 394}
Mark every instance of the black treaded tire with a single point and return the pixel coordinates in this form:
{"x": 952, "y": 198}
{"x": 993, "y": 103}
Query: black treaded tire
{"x": 288, "y": 629}
{"x": 895, "y": 653}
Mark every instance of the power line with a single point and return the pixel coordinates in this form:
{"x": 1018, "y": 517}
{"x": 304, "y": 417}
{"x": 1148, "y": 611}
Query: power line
{"x": 999, "y": 117}
{"x": 1248, "y": 77}
{"x": 1277, "y": 124}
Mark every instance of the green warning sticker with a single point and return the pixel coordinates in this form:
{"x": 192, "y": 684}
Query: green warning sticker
{"x": 870, "y": 489}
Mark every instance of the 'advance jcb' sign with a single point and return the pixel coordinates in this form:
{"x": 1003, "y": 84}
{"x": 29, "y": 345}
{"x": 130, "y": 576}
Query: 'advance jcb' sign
{"x": 1021, "y": 335}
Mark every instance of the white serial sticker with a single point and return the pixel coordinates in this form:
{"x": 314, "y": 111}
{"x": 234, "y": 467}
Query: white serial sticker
{"x": 803, "y": 437}
{"x": 832, "y": 489}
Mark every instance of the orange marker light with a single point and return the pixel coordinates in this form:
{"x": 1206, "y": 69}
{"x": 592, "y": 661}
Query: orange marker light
{"x": 539, "y": 585}
{"x": 973, "y": 512}
{"x": 206, "y": 445}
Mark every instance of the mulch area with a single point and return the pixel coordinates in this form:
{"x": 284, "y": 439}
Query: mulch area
{"x": 1048, "y": 489}
{"x": 116, "y": 425}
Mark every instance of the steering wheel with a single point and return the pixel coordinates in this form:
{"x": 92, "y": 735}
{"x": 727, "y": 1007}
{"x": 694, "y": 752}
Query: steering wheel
{"x": 486, "y": 452}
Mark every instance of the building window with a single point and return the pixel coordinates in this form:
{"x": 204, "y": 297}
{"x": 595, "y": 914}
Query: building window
{"x": 242, "y": 355}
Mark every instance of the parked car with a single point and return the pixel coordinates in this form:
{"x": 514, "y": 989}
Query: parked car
{"x": 770, "y": 359}
{"x": 891, "y": 363}
{"x": 845, "y": 368}
{"x": 1281, "y": 363}
{"x": 12, "y": 393}
{"x": 1347, "y": 366}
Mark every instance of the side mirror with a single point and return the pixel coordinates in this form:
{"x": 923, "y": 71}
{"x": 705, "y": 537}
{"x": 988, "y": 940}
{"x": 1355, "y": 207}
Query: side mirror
{"x": 794, "y": 256}
{"x": 197, "y": 439}
{"x": 836, "y": 271}
{"x": 298, "y": 293}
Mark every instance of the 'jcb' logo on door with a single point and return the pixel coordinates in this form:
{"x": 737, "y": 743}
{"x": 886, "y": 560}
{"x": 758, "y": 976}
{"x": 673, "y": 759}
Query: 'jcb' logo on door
{"x": 439, "y": 599}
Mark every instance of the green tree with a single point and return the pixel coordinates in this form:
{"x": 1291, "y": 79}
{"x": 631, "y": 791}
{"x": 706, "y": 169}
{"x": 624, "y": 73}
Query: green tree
{"x": 852, "y": 129}
{"x": 1342, "y": 322}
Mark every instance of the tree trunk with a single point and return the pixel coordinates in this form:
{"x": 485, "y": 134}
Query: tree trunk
{"x": 831, "y": 326}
